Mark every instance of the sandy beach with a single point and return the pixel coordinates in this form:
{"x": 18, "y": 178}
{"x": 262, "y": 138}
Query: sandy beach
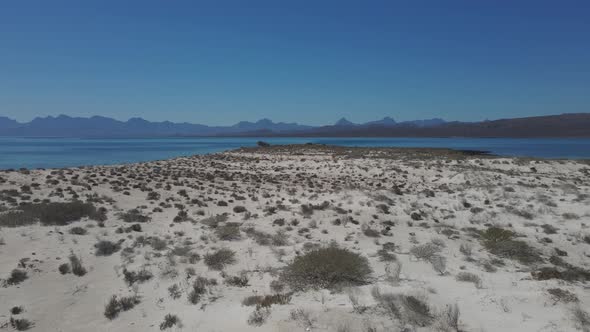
{"x": 299, "y": 238}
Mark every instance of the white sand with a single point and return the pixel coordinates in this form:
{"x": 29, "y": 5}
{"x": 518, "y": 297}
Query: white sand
{"x": 557, "y": 193}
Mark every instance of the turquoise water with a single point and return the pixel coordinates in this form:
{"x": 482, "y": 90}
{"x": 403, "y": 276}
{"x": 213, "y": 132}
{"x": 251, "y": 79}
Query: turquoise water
{"x": 67, "y": 152}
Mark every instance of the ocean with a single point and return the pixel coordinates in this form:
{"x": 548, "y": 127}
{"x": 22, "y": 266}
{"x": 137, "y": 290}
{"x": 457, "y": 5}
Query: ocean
{"x": 19, "y": 152}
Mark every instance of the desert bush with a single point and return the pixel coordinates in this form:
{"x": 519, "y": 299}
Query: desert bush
{"x": 567, "y": 272}
{"x": 213, "y": 221}
{"x": 16, "y": 277}
{"x": 259, "y": 316}
{"x": 439, "y": 264}
{"x": 392, "y": 272}
{"x": 500, "y": 242}
{"x": 469, "y": 277}
{"x": 158, "y": 244}
{"x": 169, "y": 321}
{"x": 466, "y": 249}
{"x": 133, "y": 216}
{"x": 425, "y": 251}
{"x": 106, "y": 248}
{"x": 581, "y": 318}
{"x": 128, "y": 302}
{"x": 267, "y": 300}
{"x": 220, "y": 258}
{"x": 306, "y": 210}
{"x": 200, "y": 287}
{"x": 549, "y": 229}
{"x": 406, "y": 308}
{"x": 261, "y": 238}
{"x": 369, "y": 232}
{"x": 112, "y": 309}
{"x": 449, "y": 319}
{"x": 76, "y": 264}
{"x": 237, "y": 281}
{"x": 239, "y": 209}
{"x": 280, "y": 239}
{"x": 20, "y": 324}
{"x": 78, "y": 230}
{"x": 64, "y": 268}
{"x": 228, "y": 232}
{"x": 114, "y": 306}
{"x": 277, "y": 286}
{"x": 16, "y": 310}
{"x": 496, "y": 234}
{"x": 62, "y": 213}
{"x": 386, "y": 256}
{"x": 327, "y": 268}
{"x": 16, "y": 219}
{"x": 174, "y": 291}
{"x": 303, "y": 318}
{"x": 153, "y": 196}
{"x": 562, "y": 295}
{"x": 132, "y": 277}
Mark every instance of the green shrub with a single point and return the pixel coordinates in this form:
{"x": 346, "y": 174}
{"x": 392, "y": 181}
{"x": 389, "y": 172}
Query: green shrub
{"x": 228, "y": 232}
{"x": 501, "y": 242}
{"x": 134, "y": 216}
{"x": 64, "y": 268}
{"x": 16, "y": 277}
{"x": 78, "y": 230}
{"x": 106, "y": 248}
{"x": 20, "y": 324}
{"x": 200, "y": 287}
{"x": 327, "y": 268}
{"x": 220, "y": 258}
{"x": 132, "y": 277}
{"x": 237, "y": 281}
{"x": 469, "y": 277}
{"x": 76, "y": 263}
{"x": 17, "y": 218}
{"x": 267, "y": 300}
{"x": 58, "y": 213}
{"x": 115, "y": 306}
{"x": 50, "y": 214}
{"x": 169, "y": 321}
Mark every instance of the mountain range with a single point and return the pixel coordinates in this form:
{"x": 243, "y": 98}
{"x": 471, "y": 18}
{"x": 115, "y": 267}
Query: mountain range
{"x": 564, "y": 125}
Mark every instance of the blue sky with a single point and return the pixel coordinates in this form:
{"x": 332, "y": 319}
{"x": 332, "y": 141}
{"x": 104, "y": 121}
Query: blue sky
{"x": 218, "y": 62}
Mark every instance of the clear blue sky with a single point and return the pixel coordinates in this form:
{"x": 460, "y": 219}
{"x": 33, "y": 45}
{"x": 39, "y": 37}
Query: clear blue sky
{"x": 217, "y": 62}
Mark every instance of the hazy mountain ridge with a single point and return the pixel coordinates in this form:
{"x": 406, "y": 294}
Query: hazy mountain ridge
{"x": 564, "y": 125}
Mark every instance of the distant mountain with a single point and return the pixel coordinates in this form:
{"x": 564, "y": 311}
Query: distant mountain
{"x": 266, "y": 124}
{"x": 386, "y": 121}
{"x": 344, "y": 123}
{"x": 7, "y": 123}
{"x": 564, "y": 125}
{"x": 97, "y": 126}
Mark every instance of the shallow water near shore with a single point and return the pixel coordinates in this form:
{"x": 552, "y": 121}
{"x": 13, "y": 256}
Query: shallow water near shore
{"x": 69, "y": 152}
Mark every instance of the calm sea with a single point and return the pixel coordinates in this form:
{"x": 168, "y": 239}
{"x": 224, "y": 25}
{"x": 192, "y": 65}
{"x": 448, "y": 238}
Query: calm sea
{"x": 66, "y": 152}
